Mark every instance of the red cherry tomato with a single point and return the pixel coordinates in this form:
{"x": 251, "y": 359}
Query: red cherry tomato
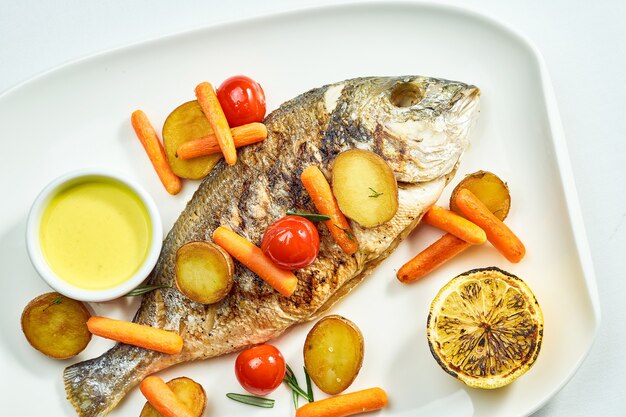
{"x": 260, "y": 369}
{"x": 291, "y": 242}
{"x": 242, "y": 100}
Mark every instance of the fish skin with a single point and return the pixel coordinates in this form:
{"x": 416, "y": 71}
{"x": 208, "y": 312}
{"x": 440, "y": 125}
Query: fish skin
{"x": 422, "y": 143}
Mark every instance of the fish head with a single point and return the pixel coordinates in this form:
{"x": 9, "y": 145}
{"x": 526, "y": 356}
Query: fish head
{"x": 419, "y": 125}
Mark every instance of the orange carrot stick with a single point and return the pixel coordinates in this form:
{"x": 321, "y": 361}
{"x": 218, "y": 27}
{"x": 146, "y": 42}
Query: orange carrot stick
{"x": 444, "y": 249}
{"x": 318, "y": 188}
{"x": 459, "y": 226}
{"x": 150, "y": 141}
{"x": 213, "y": 111}
{"x": 163, "y": 398}
{"x": 497, "y": 232}
{"x": 345, "y": 404}
{"x": 136, "y": 334}
{"x": 207, "y": 145}
{"x": 283, "y": 281}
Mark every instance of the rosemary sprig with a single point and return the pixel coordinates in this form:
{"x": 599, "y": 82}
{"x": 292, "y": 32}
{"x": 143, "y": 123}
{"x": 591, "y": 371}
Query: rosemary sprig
{"x": 294, "y": 394}
{"x": 309, "y": 386}
{"x": 252, "y": 400}
{"x": 346, "y": 231}
{"x": 375, "y": 194}
{"x": 291, "y": 380}
{"x": 56, "y": 301}
{"x": 309, "y": 216}
{"x": 143, "y": 289}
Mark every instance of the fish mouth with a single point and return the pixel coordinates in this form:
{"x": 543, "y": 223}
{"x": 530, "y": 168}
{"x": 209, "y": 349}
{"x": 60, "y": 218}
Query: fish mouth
{"x": 466, "y": 102}
{"x": 464, "y": 109}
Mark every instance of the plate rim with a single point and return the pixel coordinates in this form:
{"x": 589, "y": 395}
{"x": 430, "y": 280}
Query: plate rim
{"x": 559, "y": 143}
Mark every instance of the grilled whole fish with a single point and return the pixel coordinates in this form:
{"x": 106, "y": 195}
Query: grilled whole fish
{"x": 419, "y": 125}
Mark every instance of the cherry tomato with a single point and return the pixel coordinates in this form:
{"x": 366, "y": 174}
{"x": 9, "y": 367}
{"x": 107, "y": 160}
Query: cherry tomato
{"x": 291, "y": 242}
{"x": 260, "y": 369}
{"x": 242, "y": 100}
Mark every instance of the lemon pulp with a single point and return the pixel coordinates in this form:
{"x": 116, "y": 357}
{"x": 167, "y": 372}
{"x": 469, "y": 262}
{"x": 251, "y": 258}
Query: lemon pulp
{"x": 485, "y": 328}
{"x": 95, "y": 234}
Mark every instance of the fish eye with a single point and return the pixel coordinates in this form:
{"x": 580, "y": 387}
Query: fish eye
{"x": 406, "y": 95}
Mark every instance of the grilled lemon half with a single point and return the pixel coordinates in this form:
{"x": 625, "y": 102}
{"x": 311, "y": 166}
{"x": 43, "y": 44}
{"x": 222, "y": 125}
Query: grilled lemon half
{"x": 485, "y": 328}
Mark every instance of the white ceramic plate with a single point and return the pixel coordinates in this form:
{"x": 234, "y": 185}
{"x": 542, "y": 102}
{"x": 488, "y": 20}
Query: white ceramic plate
{"x": 78, "y": 117}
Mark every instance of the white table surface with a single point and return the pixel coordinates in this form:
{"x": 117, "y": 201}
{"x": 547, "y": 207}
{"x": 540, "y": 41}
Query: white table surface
{"x": 582, "y": 43}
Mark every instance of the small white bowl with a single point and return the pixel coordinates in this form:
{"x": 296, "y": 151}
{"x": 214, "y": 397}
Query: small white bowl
{"x": 38, "y": 259}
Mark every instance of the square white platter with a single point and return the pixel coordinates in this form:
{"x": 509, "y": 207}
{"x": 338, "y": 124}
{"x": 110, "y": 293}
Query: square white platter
{"x": 78, "y": 116}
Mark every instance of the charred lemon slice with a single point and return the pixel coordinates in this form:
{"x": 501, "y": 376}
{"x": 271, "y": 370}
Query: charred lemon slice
{"x": 485, "y": 328}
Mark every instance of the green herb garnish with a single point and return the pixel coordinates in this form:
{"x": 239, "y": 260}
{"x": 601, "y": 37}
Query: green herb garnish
{"x": 143, "y": 289}
{"x": 291, "y": 380}
{"x": 56, "y": 301}
{"x": 309, "y": 216}
{"x": 375, "y": 194}
{"x": 309, "y": 387}
{"x": 252, "y": 400}
{"x": 346, "y": 231}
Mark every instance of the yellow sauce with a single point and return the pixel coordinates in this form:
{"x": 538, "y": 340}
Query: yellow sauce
{"x": 95, "y": 234}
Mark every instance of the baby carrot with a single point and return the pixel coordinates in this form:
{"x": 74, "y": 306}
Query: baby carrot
{"x": 500, "y": 236}
{"x": 150, "y": 141}
{"x": 285, "y": 282}
{"x": 213, "y": 111}
{"x": 459, "y": 226}
{"x": 162, "y": 398}
{"x": 242, "y": 135}
{"x": 322, "y": 196}
{"x": 345, "y": 404}
{"x": 444, "y": 249}
{"x": 136, "y": 334}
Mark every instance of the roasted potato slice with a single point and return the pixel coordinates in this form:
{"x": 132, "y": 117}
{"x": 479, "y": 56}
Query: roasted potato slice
{"x": 365, "y": 187}
{"x": 187, "y": 122}
{"x": 188, "y": 391}
{"x": 56, "y": 325}
{"x": 333, "y": 353}
{"x": 489, "y": 189}
{"x": 204, "y": 272}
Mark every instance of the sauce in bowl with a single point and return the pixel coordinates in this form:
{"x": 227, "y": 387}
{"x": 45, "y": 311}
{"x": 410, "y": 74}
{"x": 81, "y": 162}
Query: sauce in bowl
{"x": 95, "y": 234}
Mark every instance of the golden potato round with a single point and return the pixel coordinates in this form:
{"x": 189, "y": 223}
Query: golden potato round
{"x": 187, "y": 122}
{"x": 333, "y": 353}
{"x": 204, "y": 272}
{"x": 365, "y": 187}
{"x": 188, "y": 391}
{"x": 56, "y": 325}
{"x": 489, "y": 189}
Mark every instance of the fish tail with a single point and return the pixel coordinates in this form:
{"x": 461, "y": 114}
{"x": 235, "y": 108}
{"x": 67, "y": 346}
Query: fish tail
{"x": 96, "y": 385}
